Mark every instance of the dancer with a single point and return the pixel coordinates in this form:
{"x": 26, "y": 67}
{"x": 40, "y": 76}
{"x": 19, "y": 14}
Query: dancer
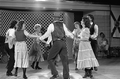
{"x": 21, "y": 52}
{"x": 36, "y": 49}
{"x": 49, "y": 44}
{"x": 9, "y": 47}
{"x": 59, "y": 31}
{"x": 93, "y": 36}
{"x": 86, "y": 58}
{"x": 75, "y": 48}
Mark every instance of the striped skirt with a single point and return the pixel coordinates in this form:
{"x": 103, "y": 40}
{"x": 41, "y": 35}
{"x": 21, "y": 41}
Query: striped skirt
{"x": 21, "y": 55}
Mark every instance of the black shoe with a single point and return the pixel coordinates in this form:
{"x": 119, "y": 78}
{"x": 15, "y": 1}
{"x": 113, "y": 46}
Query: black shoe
{"x": 54, "y": 77}
{"x": 95, "y": 68}
{"x": 25, "y": 77}
{"x": 66, "y": 78}
{"x": 86, "y": 73}
{"x": 9, "y": 74}
{"x": 15, "y": 74}
{"x": 85, "y": 76}
{"x": 37, "y": 67}
{"x": 32, "y": 66}
{"x": 76, "y": 68}
{"x": 48, "y": 67}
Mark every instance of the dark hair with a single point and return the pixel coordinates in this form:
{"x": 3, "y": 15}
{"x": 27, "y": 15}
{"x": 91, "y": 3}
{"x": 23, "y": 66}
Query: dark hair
{"x": 86, "y": 22}
{"x": 13, "y": 23}
{"x": 101, "y": 33}
{"x": 20, "y": 25}
{"x": 91, "y": 16}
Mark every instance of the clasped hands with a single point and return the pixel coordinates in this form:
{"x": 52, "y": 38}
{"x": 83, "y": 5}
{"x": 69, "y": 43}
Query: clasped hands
{"x": 39, "y": 38}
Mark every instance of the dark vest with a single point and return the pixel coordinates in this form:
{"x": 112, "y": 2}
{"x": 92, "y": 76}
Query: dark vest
{"x": 92, "y": 30}
{"x": 20, "y": 36}
{"x": 58, "y": 33}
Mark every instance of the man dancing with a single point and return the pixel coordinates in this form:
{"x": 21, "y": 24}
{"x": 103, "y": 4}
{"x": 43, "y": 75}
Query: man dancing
{"x": 59, "y": 31}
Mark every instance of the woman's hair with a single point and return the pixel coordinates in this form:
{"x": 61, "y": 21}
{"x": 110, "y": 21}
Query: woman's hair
{"x": 13, "y": 23}
{"x": 86, "y": 21}
{"x": 101, "y": 33}
{"x": 36, "y": 26}
{"x": 78, "y": 24}
{"x": 20, "y": 25}
{"x": 91, "y": 16}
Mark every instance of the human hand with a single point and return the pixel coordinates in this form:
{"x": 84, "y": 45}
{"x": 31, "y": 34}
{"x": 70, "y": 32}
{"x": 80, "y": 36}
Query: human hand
{"x": 47, "y": 45}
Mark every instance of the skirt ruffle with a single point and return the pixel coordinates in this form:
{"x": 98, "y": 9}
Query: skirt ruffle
{"x": 86, "y": 63}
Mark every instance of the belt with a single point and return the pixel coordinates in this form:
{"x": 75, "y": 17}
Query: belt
{"x": 59, "y": 40}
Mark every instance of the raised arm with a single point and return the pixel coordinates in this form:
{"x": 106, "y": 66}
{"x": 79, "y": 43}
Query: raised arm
{"x": 68, "y": 33}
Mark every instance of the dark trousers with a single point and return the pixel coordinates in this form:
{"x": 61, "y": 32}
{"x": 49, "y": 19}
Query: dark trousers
{"x": 59, "y": 47}
{"x": 10, "y": 64}
{"x": 94, "y": 45}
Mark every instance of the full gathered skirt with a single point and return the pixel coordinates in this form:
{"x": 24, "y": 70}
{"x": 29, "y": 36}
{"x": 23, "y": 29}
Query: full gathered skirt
{"x": 21, "y": 55}
{"x": 86, "y": 57}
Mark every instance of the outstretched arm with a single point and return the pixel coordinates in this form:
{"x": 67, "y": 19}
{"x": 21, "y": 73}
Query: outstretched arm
{"x": 68, "y": 33}
{"x": 30, "y": 35}
{"x": 48, "y": 32}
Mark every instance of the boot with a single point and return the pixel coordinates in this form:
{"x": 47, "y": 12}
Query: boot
{"x": 33, "y": 64}
{"x": 90, "y": 73}
{"x": 56, "y": 63}
{"x": 86, "y": 73}
{"x": 37, "y": 67}
{"x": 16, "y": 71}
{"x": 76, "y": 66}
{"x": 24, "y": 73}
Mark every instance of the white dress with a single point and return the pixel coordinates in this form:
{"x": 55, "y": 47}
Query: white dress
{"x": 86, "y": 57}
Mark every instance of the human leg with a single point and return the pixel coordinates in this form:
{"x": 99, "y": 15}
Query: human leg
{"x": 24, "y": 73}
{"x": 55, "y": 49}
{"x": 65, "y": 62}
{"x": 10, "y": 64}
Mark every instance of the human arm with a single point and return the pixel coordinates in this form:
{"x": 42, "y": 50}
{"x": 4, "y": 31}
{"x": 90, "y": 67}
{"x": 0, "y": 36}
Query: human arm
{"x": 94, "y": 36}
{"x": 30, "y": 35}
{"x": 68, "y": 33}
{"x": 48, "y": 32}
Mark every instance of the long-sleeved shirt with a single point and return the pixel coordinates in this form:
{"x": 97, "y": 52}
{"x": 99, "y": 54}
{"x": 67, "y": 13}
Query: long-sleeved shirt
{"x": 95, "y": 35}
{"x": 10, "y": 32}
{"x": 49, "y": 39}
{"x": 50, "y": 29}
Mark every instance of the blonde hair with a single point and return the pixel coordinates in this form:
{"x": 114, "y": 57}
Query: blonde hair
{"x": 36, "y": 26}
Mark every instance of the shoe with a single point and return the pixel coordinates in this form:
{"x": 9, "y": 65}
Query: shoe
{"x": 66, "y": 78}
{"x": 37, "y": 67}
{"x": 54, "y": 77}
{"x": 48, "y": 67}
{"x": 90, "y": 73}
{"x": 25, "y": 77}
{"x": 32, "y": 66}
{"x": 86, "y": 73}
{"x": 76, "y": 68}
{"x": 15, "y": 74}
{"x": 9, "y": 74}
{"x": 95, "y": 68}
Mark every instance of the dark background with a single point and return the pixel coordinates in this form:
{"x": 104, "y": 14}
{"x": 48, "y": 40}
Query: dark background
{"x": 109, "y": 2}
